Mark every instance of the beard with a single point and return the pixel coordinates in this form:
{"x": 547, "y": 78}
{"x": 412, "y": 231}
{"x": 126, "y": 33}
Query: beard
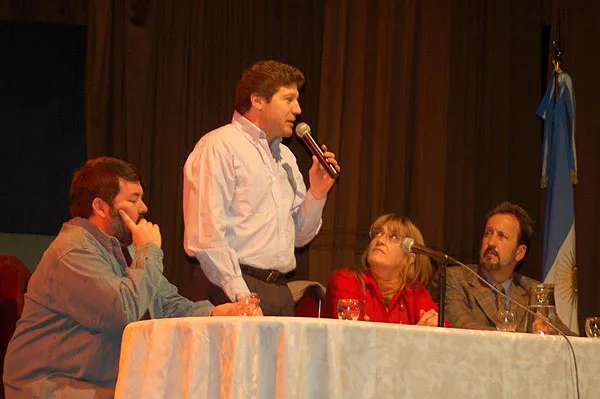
{"x": 494, "y": 266}
{"x": 118, "y": 229}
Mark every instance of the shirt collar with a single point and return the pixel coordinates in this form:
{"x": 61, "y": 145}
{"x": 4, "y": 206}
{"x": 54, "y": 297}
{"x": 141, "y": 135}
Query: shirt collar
{"x": 110, "y": 243}
{"x": 248, "y": 128}
{"x": 506, "y": 284}
{"x": 254, "y": 133}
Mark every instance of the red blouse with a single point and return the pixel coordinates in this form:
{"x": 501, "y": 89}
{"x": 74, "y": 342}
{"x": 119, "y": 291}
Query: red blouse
{"x": 404, "y": 307}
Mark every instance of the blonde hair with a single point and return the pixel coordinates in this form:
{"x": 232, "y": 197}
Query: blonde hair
{"x": 416, "y": 275}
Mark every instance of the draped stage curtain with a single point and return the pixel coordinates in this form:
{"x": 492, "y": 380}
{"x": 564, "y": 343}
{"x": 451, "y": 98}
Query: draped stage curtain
{"x": 162, "y": 73}
{"x": 432, "y": 103}
{"x": 578, "y": 17}
{"x": 429, "y": 105}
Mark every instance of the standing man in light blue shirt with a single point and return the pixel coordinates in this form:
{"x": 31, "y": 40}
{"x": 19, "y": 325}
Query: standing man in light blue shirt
{"x": 244, "y": 200}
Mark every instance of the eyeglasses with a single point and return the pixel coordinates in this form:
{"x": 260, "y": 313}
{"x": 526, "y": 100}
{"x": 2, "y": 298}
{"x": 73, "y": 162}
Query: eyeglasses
{"x": 392, "y": 236}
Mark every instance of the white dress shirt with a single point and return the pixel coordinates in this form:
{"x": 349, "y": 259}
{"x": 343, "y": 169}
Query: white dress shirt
{"x": 244, "y": 201}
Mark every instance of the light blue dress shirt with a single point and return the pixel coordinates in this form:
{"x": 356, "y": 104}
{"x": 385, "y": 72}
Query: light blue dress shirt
{"x": 245, "y": 201}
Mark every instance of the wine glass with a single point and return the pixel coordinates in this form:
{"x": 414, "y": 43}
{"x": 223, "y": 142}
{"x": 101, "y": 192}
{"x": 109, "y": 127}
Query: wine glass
{"x": 348, "y": 309}
{"x": 506, "y": 321}
{"x": 248, "y": 304}
{"x": 592, "y": 327}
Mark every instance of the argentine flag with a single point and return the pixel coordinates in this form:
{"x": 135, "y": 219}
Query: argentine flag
{"x": 559, "y": 174}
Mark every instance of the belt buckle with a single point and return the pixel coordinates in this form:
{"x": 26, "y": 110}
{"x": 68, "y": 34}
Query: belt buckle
{"x": 273, "y": 275}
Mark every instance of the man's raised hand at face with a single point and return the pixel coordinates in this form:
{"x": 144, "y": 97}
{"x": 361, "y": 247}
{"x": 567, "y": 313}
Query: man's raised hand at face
{"x": 144, "y": 232}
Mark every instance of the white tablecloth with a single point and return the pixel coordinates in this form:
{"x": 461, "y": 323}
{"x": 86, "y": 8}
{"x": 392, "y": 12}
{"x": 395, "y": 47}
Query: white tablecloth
{"x": 269, "y": 357}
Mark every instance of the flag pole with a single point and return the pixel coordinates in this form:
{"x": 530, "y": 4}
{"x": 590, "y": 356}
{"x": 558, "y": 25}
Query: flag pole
{"x": 559, "y": 174}
{"x": 557, "y": 60}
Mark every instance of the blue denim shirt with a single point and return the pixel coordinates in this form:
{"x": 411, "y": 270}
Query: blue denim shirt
{"x": 79, "y": 299}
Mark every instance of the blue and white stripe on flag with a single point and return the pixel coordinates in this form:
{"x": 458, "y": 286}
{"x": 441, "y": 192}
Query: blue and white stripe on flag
{"x": 559, "y": 173}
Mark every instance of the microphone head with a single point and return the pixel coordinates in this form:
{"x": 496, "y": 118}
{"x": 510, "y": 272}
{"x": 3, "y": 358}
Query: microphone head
{"x": 302, "y": 129}
{"x": 407, "y": 243}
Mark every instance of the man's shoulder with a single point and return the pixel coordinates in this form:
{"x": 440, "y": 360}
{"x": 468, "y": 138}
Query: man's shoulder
{"x": 524, "y": 281}
{"x": 461, "y": 270}
{"x": 224, "y": 141}
{"x": 70, "y": 234}
{"x": 221, "y": 135}
{"x": 71, "y": 237}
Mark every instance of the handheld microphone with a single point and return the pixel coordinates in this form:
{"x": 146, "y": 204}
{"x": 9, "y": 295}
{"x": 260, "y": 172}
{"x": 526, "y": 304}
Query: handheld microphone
{"x": 303, "y": 131}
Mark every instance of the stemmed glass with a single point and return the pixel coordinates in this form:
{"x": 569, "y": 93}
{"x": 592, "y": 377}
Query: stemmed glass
{"x": 348, "y": 309}
{"x": 506, "y": 321}
{"x": 592, "y": 327}
{"x": 248, "y": 304}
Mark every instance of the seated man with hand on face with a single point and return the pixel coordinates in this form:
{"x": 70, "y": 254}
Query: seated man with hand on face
{"x": 88, "y": 287}
{"x": 472, "y": 304}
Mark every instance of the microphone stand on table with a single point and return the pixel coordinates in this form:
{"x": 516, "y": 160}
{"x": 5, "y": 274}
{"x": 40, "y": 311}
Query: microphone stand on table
{"x": 408, "y": 244}
{"x": 442, "y": 264}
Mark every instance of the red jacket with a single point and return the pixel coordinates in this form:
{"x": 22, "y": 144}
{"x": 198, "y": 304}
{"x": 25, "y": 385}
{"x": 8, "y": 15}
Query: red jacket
{"x": 404, "y": 308}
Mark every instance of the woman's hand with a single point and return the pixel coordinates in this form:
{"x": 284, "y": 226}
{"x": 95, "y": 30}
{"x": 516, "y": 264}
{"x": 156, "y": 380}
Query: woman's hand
{"x": 429, "y": 318}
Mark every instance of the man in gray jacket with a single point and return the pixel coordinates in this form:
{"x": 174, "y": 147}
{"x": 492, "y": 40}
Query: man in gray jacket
{"x": 472, "y": 304}
{"x": 103, "y": 271}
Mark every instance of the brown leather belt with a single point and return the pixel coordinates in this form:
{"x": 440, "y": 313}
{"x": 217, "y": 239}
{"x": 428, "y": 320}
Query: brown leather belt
{"x": 267, "y": 275}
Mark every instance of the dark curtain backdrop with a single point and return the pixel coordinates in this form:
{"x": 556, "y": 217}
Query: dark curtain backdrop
{"x": 582, "y": 39}
{"x": 436, "y": 105}
{"x": 430, "y": 106}
{"x": 42, "y": 123}
{"x": 160, "y": 74}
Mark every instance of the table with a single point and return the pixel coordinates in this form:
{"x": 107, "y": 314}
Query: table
{"x": 281, "y": 357}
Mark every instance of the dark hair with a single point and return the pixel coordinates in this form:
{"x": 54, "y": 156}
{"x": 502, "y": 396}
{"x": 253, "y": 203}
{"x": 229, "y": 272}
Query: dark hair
{"x": 264, "y": 79}
{"x": 525, "y": 221}
{"x": 99, "y": 178}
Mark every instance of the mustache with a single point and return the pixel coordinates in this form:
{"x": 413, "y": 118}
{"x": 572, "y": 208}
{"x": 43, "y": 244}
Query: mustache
{"x": 490, "y": 250}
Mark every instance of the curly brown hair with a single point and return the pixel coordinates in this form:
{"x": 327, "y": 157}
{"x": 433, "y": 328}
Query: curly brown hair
{"x": 99, "y": 178}
{"x": 264, "y": 79}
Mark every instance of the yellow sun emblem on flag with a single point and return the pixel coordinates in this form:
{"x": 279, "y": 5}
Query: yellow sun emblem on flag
{"x": 565, "y": 278}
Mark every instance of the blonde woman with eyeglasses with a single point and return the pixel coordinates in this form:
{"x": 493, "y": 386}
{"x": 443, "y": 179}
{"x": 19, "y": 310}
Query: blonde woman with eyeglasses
{"x": 390, "y": 285}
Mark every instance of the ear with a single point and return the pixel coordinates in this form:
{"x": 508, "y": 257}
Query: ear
{"x": 100, "y": 207}
{"x": 521, "y": 251}
{"x": 412, "y": 258}
{"x": 257, "y": 101}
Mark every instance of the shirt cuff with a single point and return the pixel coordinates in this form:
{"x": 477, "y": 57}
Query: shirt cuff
{"x": 235, "y": 286}
{"x": 315, "y": 205}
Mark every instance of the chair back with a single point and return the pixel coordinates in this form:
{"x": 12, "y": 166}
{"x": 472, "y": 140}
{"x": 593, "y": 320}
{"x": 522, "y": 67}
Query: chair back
{"x": 308, "y": 296}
